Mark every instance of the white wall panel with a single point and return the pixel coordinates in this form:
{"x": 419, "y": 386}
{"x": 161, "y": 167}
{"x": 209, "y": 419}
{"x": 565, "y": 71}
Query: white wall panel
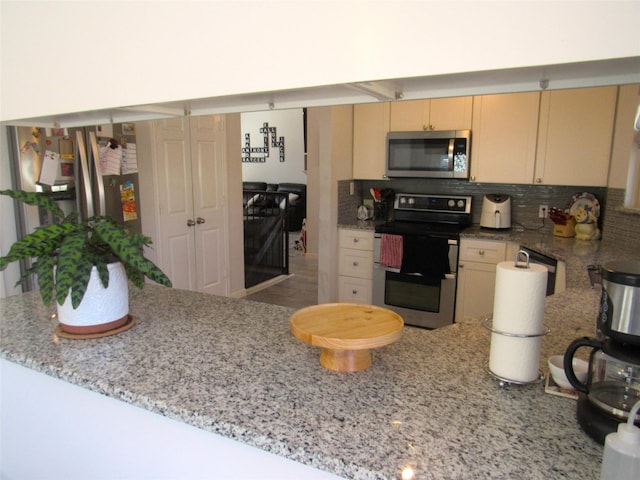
{"x": 78, "y": 56}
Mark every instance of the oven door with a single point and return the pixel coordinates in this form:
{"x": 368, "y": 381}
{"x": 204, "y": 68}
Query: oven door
{"x": 421, "y": 301}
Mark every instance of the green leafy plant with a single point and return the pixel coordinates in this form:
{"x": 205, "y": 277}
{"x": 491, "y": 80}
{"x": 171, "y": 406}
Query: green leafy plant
{"x": 66, "y": 252}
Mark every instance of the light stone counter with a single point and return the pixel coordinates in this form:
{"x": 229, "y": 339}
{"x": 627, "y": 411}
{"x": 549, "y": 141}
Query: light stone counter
{"x": 232, "y": 367}
{"x": 577, "y": 254}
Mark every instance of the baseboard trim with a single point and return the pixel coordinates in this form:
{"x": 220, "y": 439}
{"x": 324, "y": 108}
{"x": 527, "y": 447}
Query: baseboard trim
{"x": 269, "y": 283}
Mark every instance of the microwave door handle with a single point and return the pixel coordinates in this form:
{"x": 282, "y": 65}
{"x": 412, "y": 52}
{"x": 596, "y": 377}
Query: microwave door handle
{"x": 452, "y": 142}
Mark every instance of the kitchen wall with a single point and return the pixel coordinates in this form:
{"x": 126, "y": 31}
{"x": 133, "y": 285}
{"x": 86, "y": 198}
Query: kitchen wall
{"x": 288, "y": 124}
{"x": 620, "y": 224}
{"x": 617, "y": 223}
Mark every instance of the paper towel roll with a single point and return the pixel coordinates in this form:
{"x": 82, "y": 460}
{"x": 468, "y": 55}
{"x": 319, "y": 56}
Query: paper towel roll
{"x": 515, "y": 358}
{"x": 518, "y": 304}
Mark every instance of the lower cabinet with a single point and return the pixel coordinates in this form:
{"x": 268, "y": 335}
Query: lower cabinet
{"x": 355, "y": 265}
{"x": 477, "y": 276}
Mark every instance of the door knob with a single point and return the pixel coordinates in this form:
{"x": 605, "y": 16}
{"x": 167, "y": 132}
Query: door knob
{"x": 190, "y": 223}
{"x": 199, "y": 220}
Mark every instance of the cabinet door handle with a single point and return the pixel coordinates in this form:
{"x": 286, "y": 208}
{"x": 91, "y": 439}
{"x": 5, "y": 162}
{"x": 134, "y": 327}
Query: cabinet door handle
{"x": 356, "y": 240}
{"x": 355, "y": 264}
{"x": 354, "y": 292}
{"x": 200, "y": 220}
{"x": 538, "y": 180}
{"x": 190, "y": 223}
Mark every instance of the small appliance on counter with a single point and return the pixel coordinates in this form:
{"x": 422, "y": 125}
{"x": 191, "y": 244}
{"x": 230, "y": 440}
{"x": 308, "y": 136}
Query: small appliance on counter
{"x": 613, "y": 383}
{"x": 496, "y": 211}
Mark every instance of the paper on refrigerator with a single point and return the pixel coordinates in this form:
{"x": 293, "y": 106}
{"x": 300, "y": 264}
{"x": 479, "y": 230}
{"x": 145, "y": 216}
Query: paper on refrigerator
{"x": 111, "y": 160}
{"x": 49, "y": 171}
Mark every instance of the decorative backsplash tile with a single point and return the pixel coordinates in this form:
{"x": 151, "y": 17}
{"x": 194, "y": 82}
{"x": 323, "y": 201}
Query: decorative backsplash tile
{"x": 620, "y": 225}
{"x": 616, "y": 225}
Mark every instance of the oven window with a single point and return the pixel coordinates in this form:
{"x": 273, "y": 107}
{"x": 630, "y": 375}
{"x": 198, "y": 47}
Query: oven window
{"x": 412, "y": 291}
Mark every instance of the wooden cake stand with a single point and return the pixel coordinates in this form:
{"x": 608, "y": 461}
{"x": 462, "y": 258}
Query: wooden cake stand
{"x": 346, "y": 332}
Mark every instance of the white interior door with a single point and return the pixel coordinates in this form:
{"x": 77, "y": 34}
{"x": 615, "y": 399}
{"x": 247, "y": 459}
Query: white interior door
{"x": 190, "y": 175}
{"x": 175, "y": 202}
{"x": 207, "y": 160}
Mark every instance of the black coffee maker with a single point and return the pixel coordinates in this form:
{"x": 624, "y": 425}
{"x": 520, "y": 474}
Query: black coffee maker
{"x": 613, "y": 383}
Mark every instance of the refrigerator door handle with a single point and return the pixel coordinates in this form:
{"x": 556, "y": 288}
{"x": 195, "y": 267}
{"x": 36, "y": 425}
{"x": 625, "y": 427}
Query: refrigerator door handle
{"x": 98, "y": 173}
{"x": 86, "y": 180}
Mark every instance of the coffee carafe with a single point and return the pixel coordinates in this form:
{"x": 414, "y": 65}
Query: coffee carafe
{"x": 613, "y": 383}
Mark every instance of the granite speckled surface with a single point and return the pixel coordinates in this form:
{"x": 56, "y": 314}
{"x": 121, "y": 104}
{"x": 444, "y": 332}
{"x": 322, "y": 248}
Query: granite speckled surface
{"x": 232, "y": 367}
{"x": 577, "y": 254}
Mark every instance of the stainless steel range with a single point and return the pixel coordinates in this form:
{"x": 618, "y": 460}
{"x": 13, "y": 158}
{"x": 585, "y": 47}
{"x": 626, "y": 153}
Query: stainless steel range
{"x": 416, "y": 258}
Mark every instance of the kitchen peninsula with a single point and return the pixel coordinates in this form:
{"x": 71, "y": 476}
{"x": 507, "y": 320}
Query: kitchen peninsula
{"x": 232, "y": 369}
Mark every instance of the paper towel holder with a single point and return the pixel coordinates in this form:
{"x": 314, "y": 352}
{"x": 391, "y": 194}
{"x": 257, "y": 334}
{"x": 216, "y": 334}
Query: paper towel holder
{"x": 517, "y": 259}
{"x": 487, "y": 320}
{"x": 502, "y": 380}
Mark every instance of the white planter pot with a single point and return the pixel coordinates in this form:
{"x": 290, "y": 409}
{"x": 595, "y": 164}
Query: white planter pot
{"x": 101, "y": 309}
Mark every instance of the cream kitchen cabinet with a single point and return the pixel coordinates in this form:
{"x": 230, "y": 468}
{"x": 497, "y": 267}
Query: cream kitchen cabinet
{"x": 477, "y": 276}
{"x": 503, "y": 145}
{"x": 355, "y": 265}
{"x": 574, "y": 136}
{"x": 433, "y": 114}
{"x": 560, "y": 137}
{"x": 370, "y": 128}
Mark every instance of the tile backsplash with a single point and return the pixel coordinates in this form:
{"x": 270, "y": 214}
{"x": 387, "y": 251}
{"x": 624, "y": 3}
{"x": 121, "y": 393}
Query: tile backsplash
{"x": 616, "y": 223}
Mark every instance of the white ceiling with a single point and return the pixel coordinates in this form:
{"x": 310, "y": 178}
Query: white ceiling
{"x": 597, "y": 73}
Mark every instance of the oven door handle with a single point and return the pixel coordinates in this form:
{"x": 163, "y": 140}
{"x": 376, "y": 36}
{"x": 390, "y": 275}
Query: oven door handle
{"x": 377, "y": 266}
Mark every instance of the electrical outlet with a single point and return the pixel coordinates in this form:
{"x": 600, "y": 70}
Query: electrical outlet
{"x": 543, "y": 211}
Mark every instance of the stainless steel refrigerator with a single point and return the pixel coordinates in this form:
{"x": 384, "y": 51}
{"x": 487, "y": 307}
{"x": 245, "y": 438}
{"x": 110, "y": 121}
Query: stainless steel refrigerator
{"x": 77, "y": 168}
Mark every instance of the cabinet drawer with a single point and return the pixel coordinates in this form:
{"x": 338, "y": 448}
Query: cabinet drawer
{"x": 482, "y": 251}
{"x": 356, "y": 239}
{"x": 355, "y": 263}
{"x": 356, "y": 290}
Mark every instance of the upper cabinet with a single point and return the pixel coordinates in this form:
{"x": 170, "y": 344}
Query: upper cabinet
{"x": 560, "y": 137}
{"x": 574, "y": 136}
{"x": 434, "y": 114}
{"x": 370, "y": 128}
{"x": 504, "y": 134}
{"x": 623, "y": 135}
{"x": 372, "y": 122}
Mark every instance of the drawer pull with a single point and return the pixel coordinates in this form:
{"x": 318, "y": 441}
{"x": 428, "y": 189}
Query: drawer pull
{"x": 355, "y": 264}
{"x": 356, "y": 240}
{"x": 354, "y": 292}
{"x": 480, "y": 252}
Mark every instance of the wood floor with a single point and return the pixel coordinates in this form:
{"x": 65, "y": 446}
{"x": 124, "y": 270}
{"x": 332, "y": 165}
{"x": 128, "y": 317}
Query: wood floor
{"x": 299, "y": 289}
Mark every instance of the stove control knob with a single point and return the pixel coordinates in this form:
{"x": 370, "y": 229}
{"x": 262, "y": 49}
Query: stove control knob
{"x": 411, "y": 200}
{"x": 403, "y": 200}
{"x": 451, "y": 202}
{"x": 460, "y": 203}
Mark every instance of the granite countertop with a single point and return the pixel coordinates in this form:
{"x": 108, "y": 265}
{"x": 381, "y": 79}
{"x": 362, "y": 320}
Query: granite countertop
{"x": 577, "y": 254}
{"x": 232, "y": 367}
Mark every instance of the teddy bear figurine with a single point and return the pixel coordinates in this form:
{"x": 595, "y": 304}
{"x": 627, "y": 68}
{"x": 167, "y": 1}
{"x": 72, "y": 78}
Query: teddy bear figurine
{"x": 586, "y": 225}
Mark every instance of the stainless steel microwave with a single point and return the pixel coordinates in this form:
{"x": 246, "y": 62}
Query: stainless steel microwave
{"x": 430, "y": 154}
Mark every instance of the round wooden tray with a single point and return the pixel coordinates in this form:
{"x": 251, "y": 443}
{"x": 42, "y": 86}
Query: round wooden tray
{"x": 129, "y": 324}
{"x": 346, "y": 332}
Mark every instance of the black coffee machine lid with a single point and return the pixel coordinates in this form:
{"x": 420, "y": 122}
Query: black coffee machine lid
{"x": 623, "y": 352}
{"x": 622, "y": 272}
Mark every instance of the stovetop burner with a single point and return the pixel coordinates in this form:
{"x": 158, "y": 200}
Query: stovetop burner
{"x": 429, "y": 215}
